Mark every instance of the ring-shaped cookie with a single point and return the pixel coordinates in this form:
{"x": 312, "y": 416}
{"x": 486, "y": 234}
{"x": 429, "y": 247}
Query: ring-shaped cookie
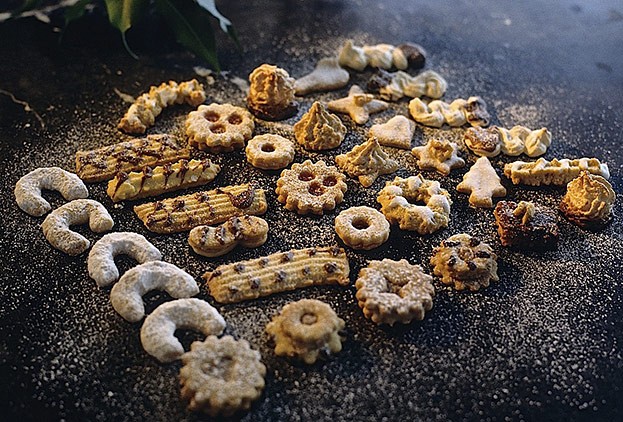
{"x": 270, "y": 152}
{"x": 362, "y": 228}
{"x": 399, "y": 203}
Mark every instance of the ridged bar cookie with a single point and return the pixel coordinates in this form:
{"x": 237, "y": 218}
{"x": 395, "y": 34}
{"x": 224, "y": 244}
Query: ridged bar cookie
{"x": 161, "y": 179}
{"x": 182, "y": 213}
{"x": 103, "y": 163}
{"x": 555, "y": 172}
{"x": 277, "y": 273}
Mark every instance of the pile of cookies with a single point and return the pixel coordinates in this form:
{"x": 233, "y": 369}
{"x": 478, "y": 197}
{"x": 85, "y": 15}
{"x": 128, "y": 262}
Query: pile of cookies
{"x": 222, "y": 376}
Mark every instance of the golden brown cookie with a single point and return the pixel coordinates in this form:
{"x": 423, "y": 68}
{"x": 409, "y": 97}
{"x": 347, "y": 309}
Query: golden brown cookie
{"x": 248, "y": 231}
{"x": 358, "y": 105}
{"x": 394, "y": 291}
{"x": 270, "y": 152}
{"x": 438, "y": 154}
{"x": 482, "y": 183}
{"x": 271, "y": 93}
{"x": 555, "y": 172}
{"x": 221, "y": 376}
{"x": 397, "y": 132}
{"x": 366, "y": 162}
{"x": 318, "y": 129}
{"x": 588, "y": 201}
{"x": 277, "y": 273}
{"x": 182, "y": 213}
{"x": 362, "y": 228}
{"x": 465, "y": 262}
{"x": 219, "y": 127}
{"x": 103, "y": 163}
{"x": 311, "y": 187}
{"x": 305, "y": 328}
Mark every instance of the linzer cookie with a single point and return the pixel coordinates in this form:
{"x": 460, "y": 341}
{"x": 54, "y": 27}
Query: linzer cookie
{"x": 219, "y": 127}
{"x": 155, "y": 181}
{"x": 182, "y": 213}
{"x": 277, "y": 273}
{"x": 555, "y": 172}
{"x": 104, "y": 163}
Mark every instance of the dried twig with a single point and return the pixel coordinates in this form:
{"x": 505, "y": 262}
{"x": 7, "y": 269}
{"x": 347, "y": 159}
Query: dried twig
{"x": 24, "y": 104}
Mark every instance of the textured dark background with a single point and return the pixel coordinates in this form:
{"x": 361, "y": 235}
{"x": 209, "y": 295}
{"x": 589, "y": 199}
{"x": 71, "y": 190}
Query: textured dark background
{"x": 543, "y": 343}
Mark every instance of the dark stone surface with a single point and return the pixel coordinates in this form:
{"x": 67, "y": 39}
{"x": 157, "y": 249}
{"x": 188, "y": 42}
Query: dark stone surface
{"x": 543, "y": 343}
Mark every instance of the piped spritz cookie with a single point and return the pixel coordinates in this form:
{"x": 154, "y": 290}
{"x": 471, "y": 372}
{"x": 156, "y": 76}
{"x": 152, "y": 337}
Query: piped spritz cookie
{"x": 270, "y": 152}
{"x": 271, "y": 93}
{"x": 318, "y": 129}
{"x": 219, "y": 127}
{"x": 221, "y": 376}
{"x": 555, "y": 172}
{"x": 366, "y": 162}
{"x": 311, "y": 187}
{"x": 399, "y": 199}
{"x": 305, "y": 328}
{"x": 588, "y": 201}
{"x": 394, "y": 291}
{"x": 362, "y": 228}
{"x": 465, "y": 262}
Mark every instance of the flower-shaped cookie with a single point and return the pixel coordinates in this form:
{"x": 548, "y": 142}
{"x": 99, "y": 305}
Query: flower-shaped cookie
{"x": 219, "y": 127}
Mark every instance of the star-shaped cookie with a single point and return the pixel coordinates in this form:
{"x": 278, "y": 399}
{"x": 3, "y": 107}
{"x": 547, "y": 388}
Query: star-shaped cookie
{"x": 358, "y": 105}
{"x": 439, "y": 155}
{"x": 482, "y": 183}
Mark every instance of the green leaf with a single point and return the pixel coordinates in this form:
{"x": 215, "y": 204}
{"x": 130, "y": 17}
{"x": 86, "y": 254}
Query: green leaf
{"x": 224, "y": 23}
{"x": 122, "y": 14}
{"x": 27, "y": 5}
{"x": 75, "y": 11}
{"x": 191, "y": 26}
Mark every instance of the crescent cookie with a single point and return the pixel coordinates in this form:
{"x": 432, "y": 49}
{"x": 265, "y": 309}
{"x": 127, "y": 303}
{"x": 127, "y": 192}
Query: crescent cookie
{"x": 219, "y": 127}
{"x": 305, "y": 328}
{"x": 270, "y": 152}
{"x": 465, "y": 262}
{"x": 394, "y": 291}
{"x": 221, "y": 376}
{"x": 311, "y": 187}
{"x": 362, "y": 228}
{"x": 28, "y": 189}
{"x": 398, "y": 203}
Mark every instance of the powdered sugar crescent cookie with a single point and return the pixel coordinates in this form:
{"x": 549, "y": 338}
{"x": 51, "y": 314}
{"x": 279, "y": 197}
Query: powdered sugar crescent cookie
{"x": 318, "y": 129}
{"x": 28, "y": 189}
{"x": 279, "y": 272}
{"x": 219, "y": 127}
{"x": 184, "y": 212}
{"x": 142, "y": 114}
{"x": 311, "y": 187}
{"x": 397, "y": 132}
{"x": 465, "y": 262}
{"x": 358, "y": 105}
{"x": 438, "y": 154}
{"x": 362, "y": 228}
{"x": 248, "y": 231}
{"x": 79, "y": 211}
{"x": 161, "y": 179}
{"x": 104, "y": 163}
{"x": 221, "y": 376}
{"x": 126, "y": 296}
{"x": 305, "y": 328}
{"x": 327, "y": 76}
{"x": 399, "y": 200}
{"x": 366, "y": 162}
{"x": 482, "y": 183}
{"x": 101, "y": 261}
{"x": 394, "y": 291}
{"x": 157, "y": 332}
{"x": 270, "y": 152}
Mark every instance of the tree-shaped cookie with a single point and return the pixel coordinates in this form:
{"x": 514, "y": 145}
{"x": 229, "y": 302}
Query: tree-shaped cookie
{"x": 482, "y": 183}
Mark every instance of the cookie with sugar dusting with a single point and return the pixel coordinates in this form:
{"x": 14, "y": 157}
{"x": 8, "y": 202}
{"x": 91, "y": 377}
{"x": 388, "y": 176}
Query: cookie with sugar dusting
{"x": 397, "y": 132}
{"x": 438, "y": 154}
{"x": 327, "y": 76}
{"x": 358, "y": 105}
{"x": 318, "y": 129}
{"x": 482, "y": 183}
{"x": 366, "y": 162}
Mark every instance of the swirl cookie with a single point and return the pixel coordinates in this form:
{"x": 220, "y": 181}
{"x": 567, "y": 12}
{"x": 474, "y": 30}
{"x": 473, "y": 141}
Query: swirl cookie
{"x": 394, "y": 291}
{"x": 358, "y": 105}
{"x": 270, "y": 152}
{"x": 483, "y": 142}
{"x": 526, "y": 225}
{"x": 319, "y": 130}
{"x": 366, "y": 162}
{"x": 79, "y": 211}
{"x": 182, "y": 213}
{"x": 482, "y": 183}
{"x": 394, "y": 86}
{"x": 384, "y": 56}
{"x": 465, "y": 262}
{"x": 142, "y": 114}
{"x": 277, "y": 273}
{"x": 219, "y": 127}
{"x": 362, "y": 228}
{"x": 520, "y": 139}
{"x": 28, "y": 189}
{"x": 438, "y": 154}
{"x": 221, "y": 376}
{"x": 247, "y": 231}
{"x": 457, "y": 113}
{"x": 398, "y": 201}
{"x": 311, "y": 187}
{"x": 588, "y": 201}
{"x": 555, "y": 172}
{"x": 161, "y": 179}
{"x": 271, "y": 93}
{"x": 305, "y": 328}
{"x": 104, "y": 163}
